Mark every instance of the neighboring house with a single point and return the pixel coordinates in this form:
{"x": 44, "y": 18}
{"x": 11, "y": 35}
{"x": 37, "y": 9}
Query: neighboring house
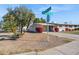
{"x": 54, "y": 27}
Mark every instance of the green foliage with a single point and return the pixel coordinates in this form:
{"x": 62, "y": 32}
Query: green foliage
{"x": 39, "y": 20}
{"x": 9, "y": 23}
{"x": 9, "y": 26}
{"x": 17, "y": 17}
{"x": 23, "y": 16}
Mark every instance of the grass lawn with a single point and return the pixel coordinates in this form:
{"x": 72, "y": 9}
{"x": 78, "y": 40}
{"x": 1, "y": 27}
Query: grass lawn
{"x": 31, "y": 42}
{"x": 73, "y": 32}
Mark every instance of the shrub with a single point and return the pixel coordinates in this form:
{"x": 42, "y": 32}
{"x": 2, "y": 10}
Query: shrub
{"x": 15, "y": 36}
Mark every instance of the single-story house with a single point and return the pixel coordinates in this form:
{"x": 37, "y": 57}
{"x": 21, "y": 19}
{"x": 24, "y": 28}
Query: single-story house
{"x": 54, "y": 27}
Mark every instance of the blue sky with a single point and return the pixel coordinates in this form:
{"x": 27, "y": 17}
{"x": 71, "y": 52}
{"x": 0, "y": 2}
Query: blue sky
{"x": 61, "y": 12}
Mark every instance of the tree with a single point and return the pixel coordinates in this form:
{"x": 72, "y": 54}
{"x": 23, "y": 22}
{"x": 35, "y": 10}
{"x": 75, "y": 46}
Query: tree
{"x": 43, "y": 20}
{"x": 39, "y": 20}
{"x": 18, "y": 18}
{"x": 9, "y": 23}
{"x": 23, "y": 17}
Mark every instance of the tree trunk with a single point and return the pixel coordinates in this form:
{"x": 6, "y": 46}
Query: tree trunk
{"x": 21, "y": 30}
{"x": 28, "y": 23}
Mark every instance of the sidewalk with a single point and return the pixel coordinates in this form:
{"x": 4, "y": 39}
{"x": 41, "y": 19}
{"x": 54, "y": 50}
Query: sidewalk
{"x": 71, "y": 48}
{"x": 67, "y": 49}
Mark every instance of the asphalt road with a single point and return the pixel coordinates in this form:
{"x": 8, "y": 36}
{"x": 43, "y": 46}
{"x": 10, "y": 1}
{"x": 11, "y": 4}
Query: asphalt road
{"x": 65, "y": 35}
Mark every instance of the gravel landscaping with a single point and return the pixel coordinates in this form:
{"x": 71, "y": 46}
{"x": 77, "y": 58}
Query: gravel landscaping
{"x": 31, "y": 42}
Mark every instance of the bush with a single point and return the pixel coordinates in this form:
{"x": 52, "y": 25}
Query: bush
{"x": 15, "y": 36}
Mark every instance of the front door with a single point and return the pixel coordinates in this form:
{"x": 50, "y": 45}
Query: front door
{"x": 50, "y": 28}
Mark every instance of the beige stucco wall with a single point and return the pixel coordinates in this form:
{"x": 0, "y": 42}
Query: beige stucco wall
{"x": 32, "y": 27}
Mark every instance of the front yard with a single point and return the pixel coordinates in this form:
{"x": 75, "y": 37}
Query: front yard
{"x": 31, "y": 42}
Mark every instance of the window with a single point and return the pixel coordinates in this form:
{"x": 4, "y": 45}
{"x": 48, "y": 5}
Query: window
{"x": 75, "y": 25}
{"x": 70, "y": 25}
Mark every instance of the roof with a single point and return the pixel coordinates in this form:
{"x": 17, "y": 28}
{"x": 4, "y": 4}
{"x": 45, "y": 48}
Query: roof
{"x": 55, "y": 24}
{"x": 43, "y": 24}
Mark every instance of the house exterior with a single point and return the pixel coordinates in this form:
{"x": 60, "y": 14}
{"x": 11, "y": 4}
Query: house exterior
{"x": 54, "y": 27}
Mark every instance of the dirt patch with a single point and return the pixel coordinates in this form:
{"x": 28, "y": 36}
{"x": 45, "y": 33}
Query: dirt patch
{"x": 30, "y": 42}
